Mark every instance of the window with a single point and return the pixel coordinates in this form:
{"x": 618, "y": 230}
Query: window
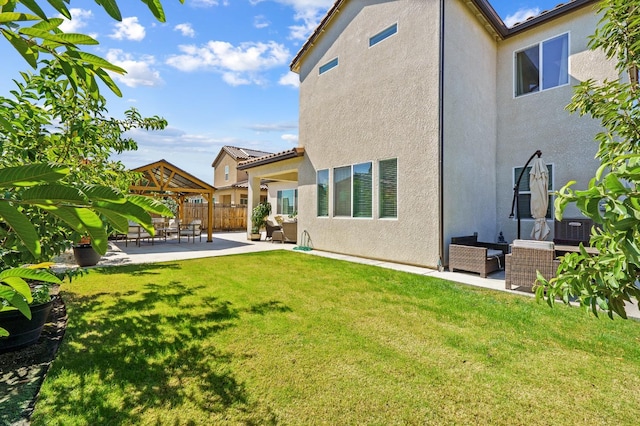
{"x": 362, "y": 190}
{"x": 226, "y": 172}
{"x": 323, "y": 193}
{"x": 329, "y": 65}
{"x": 388, "y": 184}
{"x": 543, "y": 66}
{"x": 287, "y": 201}
{"x": 384, "y": 34}
{"x": 342, "y": 191}
{"x": 524, "y": 192}
{"x": 244, "y": 199}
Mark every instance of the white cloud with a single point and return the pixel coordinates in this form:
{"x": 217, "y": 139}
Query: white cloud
{"x": 79, "y": 18}
{"x": 272, "y": 127}
{"x": 139, "y": 71}
{"x": 260, "y": 22}
{"x": 128, "y": 29}
{"x": 290, "y": 79}
{"x": 288, "y": 137}
{"x": 521, "y": 16}
{"x": 186, "y": 29}
{"x": 208, "y": 3}
{"x": 238, "y": 65}
{"x": 309, "y": 13}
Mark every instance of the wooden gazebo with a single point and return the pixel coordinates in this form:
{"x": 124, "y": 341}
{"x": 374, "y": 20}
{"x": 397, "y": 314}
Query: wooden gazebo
{"x": 164, "y": 179}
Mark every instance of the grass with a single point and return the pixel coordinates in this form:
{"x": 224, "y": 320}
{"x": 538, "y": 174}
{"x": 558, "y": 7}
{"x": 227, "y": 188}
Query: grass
{"x": 289, "y": 338}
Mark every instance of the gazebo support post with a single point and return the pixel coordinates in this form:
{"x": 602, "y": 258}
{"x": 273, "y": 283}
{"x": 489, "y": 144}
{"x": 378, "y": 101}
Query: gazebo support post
{"x": 516, "y": 191}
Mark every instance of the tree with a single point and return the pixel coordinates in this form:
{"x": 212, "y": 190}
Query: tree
{"x": 607, "y": 280}
{"x": 36, "y": 202}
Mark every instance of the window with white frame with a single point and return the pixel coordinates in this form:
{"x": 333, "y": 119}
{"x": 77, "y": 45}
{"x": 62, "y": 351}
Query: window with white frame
{"x": 382, "y": 35}
{"x": 328, "y": 66}
{"x": 244, "y": 199}
{"x": 342, "y": 191}
{"x": 323, "y": 192}
{"x": 363, "y": 190}
{"x": 287, "y": 202}
{"x": 524, "y": 192}
{"x": 542, "y": 66}
{"x": 388, "y": 188}
{"x": 226, "y": 172}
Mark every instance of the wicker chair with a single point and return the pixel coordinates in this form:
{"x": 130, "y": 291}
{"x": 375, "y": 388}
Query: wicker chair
{"x": 469, "y": 254}
{"x": 288, "y": 233}
{"x": 526, "y": 258}
{"x": 270, "y": 226}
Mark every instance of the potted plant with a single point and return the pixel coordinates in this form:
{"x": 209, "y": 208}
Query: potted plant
{"x": 24, "y": 306}
{"x": 84, "y": 253}
{"x": 259, "y": 216}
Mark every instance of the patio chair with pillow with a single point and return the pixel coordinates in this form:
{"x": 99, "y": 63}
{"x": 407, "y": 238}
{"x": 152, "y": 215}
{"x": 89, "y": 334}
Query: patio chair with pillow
{"x": 136, "y": 233}
{"x": 468, "y": 254}
{"x": 192, "y": 230}
{"x": 270, "y": 226}
{"x": 526, "y": 258}
{"x": 288, "y": 233}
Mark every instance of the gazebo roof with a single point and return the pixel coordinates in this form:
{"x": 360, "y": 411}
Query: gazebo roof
{"x": 163, "y": 176}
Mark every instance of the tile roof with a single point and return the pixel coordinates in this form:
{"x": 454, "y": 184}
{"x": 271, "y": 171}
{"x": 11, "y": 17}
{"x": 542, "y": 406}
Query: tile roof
{"x": 271, "y": 158}
{"x": 239, "y": 154}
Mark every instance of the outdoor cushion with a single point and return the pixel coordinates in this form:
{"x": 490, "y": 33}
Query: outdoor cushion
{"x": 534, "y": 244}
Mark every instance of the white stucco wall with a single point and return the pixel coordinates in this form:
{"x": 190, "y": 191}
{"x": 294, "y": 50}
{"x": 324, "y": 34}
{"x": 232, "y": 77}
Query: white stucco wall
{"x": 540, "y": 121}
{"x": 470, "y": 134}
{"x": 379, "y": 103}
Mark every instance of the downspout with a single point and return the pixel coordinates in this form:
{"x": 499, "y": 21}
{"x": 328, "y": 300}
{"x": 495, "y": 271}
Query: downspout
{"x": 441, "y": 144}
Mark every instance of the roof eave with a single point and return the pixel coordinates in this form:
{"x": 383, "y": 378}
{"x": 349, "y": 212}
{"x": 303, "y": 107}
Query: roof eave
{"x": 274, "y": 158}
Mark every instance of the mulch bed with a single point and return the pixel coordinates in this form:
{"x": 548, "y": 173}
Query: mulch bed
{"x": 23, "y": 371}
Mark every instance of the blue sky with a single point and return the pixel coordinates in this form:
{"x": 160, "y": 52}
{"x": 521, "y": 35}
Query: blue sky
{"x": 217, "y": 70}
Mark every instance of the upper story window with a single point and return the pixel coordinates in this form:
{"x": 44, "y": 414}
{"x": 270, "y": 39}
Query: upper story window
{"x": 384, "y": 34}
{"x": 542, "y": 66}
{"x": 226, "y": 172}
{"x": 329, "y": 65}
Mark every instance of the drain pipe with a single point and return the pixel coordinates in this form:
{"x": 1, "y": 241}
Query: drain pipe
{"x": 441, "y": 143}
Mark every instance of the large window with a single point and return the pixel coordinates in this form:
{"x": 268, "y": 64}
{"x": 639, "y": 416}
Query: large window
{"x": 323, "y": 193}
{"x": 543, "y": 66}
{"x": 524, "y": 192}
{"x": 287, "y": 202}
{"x": 342, "y": 191}
{"x": 362, "y": 190}
{"x": 388, "y": 186}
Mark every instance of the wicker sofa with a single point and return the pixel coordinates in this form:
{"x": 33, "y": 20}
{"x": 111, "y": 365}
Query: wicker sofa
{"x": 526, "y": 258}
{"x": 468, "y": 254}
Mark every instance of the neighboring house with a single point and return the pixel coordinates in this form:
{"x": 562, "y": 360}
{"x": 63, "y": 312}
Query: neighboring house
{"x": 416, "y": 117}
{"x": 229, "y": 182}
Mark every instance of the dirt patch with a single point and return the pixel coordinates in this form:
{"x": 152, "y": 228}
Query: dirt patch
{"x": 23, "y": 371}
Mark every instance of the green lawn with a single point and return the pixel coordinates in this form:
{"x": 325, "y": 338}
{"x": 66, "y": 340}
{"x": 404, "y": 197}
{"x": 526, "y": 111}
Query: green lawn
{"x": 289, "y": 338}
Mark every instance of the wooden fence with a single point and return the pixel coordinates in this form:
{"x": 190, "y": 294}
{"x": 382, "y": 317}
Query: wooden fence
{"x": 226, "y": 217}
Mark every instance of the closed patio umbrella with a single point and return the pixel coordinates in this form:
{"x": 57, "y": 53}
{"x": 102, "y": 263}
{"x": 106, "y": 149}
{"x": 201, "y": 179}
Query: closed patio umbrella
{"x": 538, "y": 184}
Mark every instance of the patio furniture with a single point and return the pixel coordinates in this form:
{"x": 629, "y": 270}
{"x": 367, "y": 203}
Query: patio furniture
{"x": 136, "y": 233}
{"x": 572, "y": 231}
{"x": 270, "y": 226}
{"x": 527, "y": 257}
{"x": 192, "y": 230}
{"x": 288, "y": 233}
{"x": 468, "y": 254}
{"x": 160, "y": 225}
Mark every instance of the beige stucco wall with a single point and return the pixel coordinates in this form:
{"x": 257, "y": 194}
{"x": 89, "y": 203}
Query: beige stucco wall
{"x": 379, "y": 103}
{"x": 469, "y": 161}
{"x": 540, "y": 121}
{"x": 235, "y": 175}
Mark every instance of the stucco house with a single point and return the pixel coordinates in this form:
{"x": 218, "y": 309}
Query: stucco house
{"x": 229, "y": 182}
{"x": 416, "y": 116}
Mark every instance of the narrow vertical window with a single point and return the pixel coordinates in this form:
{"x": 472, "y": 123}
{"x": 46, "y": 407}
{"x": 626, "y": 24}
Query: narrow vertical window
{"x": 323, "y": 193}
{"x": 384, "y": 34}
{"x": 329, "y": 65}
{"x": 388, "y": 184}
{"x": 342, "y": 191}
{"x": 362, "y": 190}
{"x": 226, "y": 172}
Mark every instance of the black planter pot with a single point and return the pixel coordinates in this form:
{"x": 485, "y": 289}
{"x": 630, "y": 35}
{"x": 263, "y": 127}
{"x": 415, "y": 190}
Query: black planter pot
{"x": 85, "y": 255}
{"x": 22, "y": 331}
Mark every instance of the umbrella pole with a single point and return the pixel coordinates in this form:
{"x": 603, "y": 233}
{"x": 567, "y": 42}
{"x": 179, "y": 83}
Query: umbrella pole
{"x": 516, "y": 190}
